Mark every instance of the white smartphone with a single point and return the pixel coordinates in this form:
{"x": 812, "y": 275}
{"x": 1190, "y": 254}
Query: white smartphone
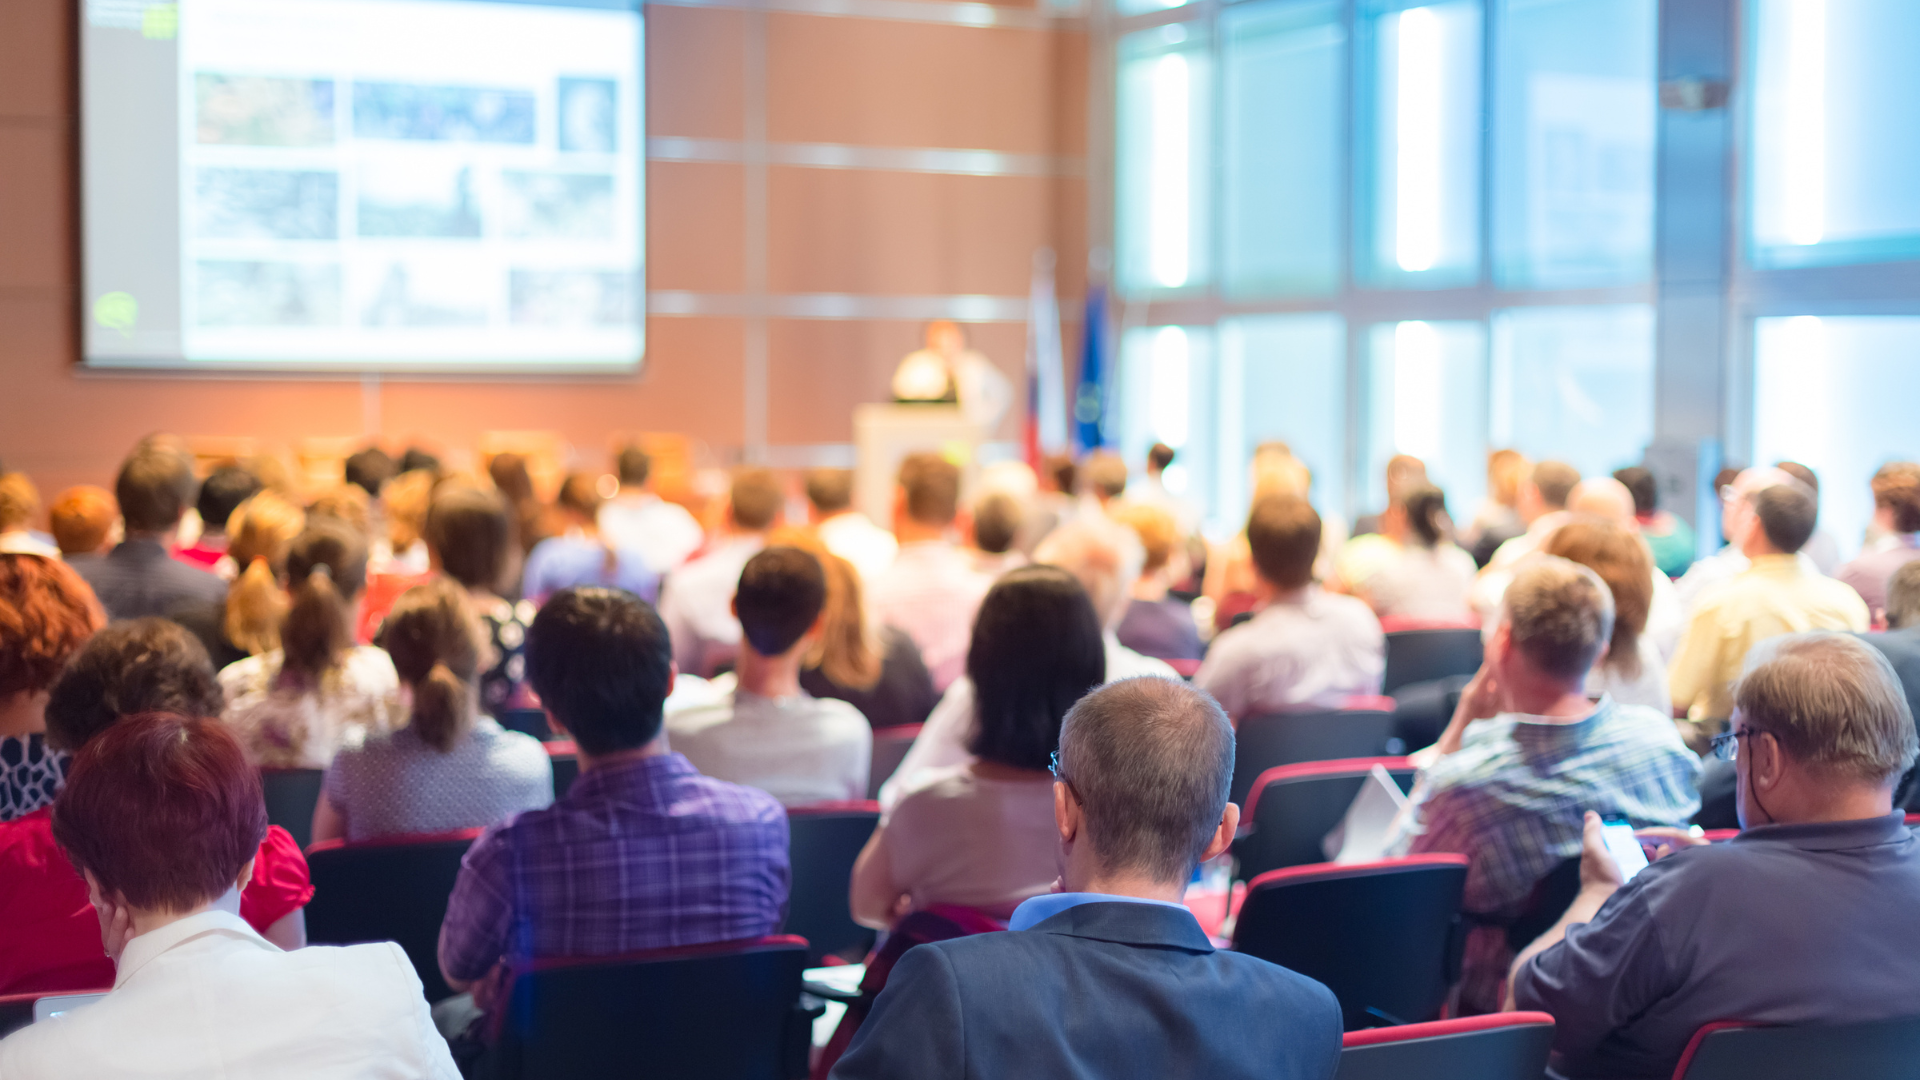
{"x": 1625, "y": 847}
{"x": 56, "y": 1004}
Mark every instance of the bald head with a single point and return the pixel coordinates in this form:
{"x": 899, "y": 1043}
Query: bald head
{"x": 1105, "y": 556}
{"x": 1150, "y": 761}
{"x": 1603, "y": 497}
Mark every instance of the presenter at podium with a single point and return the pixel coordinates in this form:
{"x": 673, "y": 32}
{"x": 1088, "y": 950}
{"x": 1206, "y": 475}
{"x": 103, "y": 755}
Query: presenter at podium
{"x": 947, "y": 371}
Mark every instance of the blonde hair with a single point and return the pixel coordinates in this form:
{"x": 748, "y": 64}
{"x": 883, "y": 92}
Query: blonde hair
{"x": 1159, "y": 534}
{"x": 258, "y": 535}
{"x": 1560, "y": 615}
{"x": 347, "y": 504}
{"x": 1506, "y": 470}
{"x": 436, "y": 642}
{"x": 407, "y": 497}
{"x": 848, "y": 653}
{"x": 1280, "y": 474}
{"x": 19, "y": 501}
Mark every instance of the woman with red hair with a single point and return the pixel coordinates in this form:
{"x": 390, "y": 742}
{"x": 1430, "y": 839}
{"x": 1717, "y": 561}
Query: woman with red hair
{"x": 46, "y": 613}
{"x": 163, "y": 817}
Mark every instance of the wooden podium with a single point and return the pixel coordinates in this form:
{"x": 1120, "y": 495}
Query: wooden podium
{"x": 884, "y": 434}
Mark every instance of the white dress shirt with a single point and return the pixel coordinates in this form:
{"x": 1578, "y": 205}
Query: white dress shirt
{"x": 799, "y": 749}
{"x": 206, "y": 998}
{"x": 696, "y": 603}
{"x": 942, "y": 742}
{"x": 867, "y": 546}
{"x": 664, "y": 533}
{"x": 932, "y": 592}
{"x": 1313, "y": 649}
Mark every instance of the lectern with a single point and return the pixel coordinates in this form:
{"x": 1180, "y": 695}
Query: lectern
{"x": 884, "y": 434}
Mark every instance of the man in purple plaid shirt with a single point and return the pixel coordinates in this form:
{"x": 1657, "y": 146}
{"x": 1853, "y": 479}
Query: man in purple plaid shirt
{"x": 642, "y": 852}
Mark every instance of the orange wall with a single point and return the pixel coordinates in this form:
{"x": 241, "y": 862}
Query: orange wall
{"x": 858, "y": 81}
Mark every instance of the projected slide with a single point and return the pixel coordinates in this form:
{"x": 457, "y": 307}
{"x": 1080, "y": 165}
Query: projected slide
{"x": 409, "y": 185}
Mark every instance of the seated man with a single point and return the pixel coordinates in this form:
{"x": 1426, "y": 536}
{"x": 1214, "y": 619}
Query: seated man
{"x": 139, "y": 577}
{"x": 642, "y": 852}
{"x": 1806, "y": 917}
{"x": 694, "y": 600}
{"x": 1527, "y": 752}
{"x": 846, "y": 531}
{"x": 1303, "y": 646}
{"x": 1111, "y": 977}
{"x": 932, "y": 590}
{"x": 769, "y": 733}
{"x": 636, "y": 519}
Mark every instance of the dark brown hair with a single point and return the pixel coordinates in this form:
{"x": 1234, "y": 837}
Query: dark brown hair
{"x": 1283, "y": 534}
{"x": 326, "y": 569}
{"x": 932, "y": 484}
{"x": 436, "y": 642}
{"x": 136, "y": 666}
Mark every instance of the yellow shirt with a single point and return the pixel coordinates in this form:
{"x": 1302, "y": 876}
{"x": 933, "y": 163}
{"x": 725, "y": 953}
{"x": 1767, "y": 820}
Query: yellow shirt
{"x": 1773, "y": 596}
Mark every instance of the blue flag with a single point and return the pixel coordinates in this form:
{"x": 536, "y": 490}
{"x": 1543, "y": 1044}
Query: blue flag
{"x": 1091, "y": 398}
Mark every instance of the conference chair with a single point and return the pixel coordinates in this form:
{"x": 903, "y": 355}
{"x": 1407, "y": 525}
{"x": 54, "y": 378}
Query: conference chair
{"x": 1503, "y": 1046}
{"x": 1424, "y": 655}
{"x": 822, "y": 843}
{"x": 565, "y": 759}
{"x": 526, "y": 721}
{"x": 1551, "y": 897}
{"x": 1737, "y": 1050}
{"x": 728, "y": 1011}
{"x": 291, "y": 795}
{"x": 1265, "y": 742}
{"x": 16, "y": 1012}
{"x": 392, "y": 889}
{"x": 1291, "y": 808}
{"x": 890, "y": 746}
{"x": 1421, "y": 710}
{"x": 1384, "y": 936}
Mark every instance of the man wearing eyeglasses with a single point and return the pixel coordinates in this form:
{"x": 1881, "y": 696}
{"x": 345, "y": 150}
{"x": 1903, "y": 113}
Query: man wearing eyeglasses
{"x": 1806, "y": 917}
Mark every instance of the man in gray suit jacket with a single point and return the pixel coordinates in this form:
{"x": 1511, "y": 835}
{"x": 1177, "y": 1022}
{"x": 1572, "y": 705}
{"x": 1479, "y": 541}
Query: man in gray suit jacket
{"x": 1111, "y": 978}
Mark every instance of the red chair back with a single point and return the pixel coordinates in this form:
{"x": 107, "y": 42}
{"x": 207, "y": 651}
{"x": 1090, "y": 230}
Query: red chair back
{"x": 1415, "y": 656}
{"x": 1291, "y": 808}
{"x": 890, "y": 746}
{"x": 1289, "y": 738}
{"x": 822, "y": 843}
{"x": 728, "y": 1011}
{"x": 1503, "y": 1046}
{"x": 1384, "y": 936}
{"x": 1739, "y": 1050}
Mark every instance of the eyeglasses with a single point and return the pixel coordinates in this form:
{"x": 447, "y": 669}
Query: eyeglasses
{"x": 1726, "y": 746}
{"x": 1053, "y": 766}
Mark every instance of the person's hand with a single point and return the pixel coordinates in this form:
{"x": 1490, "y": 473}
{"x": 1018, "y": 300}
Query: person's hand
{"x": 1481, "y": 698}
{"x": 1661, "y": 841}
{"x": 1598, "y": 872}
{"x": 116, "y": 927}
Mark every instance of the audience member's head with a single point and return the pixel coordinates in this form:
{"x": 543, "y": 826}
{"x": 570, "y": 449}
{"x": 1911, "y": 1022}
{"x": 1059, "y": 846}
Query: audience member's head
{"x": 602, "y": 663}
{"x": 369, "y": 470}
{"x": 415, "y": 458}
{"x": 1283, "y": 534}
{"x": 162, "y": 813}
{"x": 755, "y": 500}
{"x": 1555, "y": 620}
{"x": 1623, "y": 562}
{"x": 1781, "y": 520}
{"x": 262, "y": 530}
{"x": 1058, "y": 473}
{"x": 1903, "y": 597}
{"x": 1896, "y": 497}
{"x": 1036, "y": 649}
{"x": 19, "y": 502}
{"x": 1817, "y": 717}
{"x": 847, "y": 650}
{"x": 1803, "y": 474}
{"x": 436, "y": 642}
{"x": 1404, "y": 473}
{"x": 829, "y": 492}
{"x": 1104, "y": 556}
{"x": 1159, "y": 456}
{"x": 1641, "y": 485}
{"x": 470, "y": 536}
{"x": 131, "y": 667}
{"x": 154, "y": 488}
{"x": 46, "y": 614}
{"x": 1148, "y": 763}
{"x": 1603, "y": 497}
{"x": 221, "y": 494}
{"x": 326, "y": 571}
{"x": 996, "y": 521}
{"x": 1546, "y": 490}
{"x": 1280, "y": 474}
{"x": 1106, "y": 474}
{"x": 1425, "y": 508}
{"x": 633, "y": 466}
{"x": 579, "y": 498}
{"x": 929, "y": 490}
{"x": 779, "y": 600}
{"x": 1158, "y": 532}
{"x": 1736, "y": 495}
{"x": 82, "y": 519}
{"x": 347, "y": 504}
{"x": 510, "y": 477}
{"x": 407, "y": 498}
{"x": 1507, "y": 472}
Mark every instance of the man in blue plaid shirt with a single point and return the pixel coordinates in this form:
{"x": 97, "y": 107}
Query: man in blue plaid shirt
{"x": 1527, "y": 754}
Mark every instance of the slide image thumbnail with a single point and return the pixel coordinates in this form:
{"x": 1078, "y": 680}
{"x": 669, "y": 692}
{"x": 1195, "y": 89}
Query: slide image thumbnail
{"x": 245, "y": 293}
{"x": 255, "y": 110}
{"x": 442, "y": 113}
{"x": 265, "y": 204}
{"x": 557, "y": 206}
{"x": 577, "y": 298}
{"x": 418, "y": 199}
{"x": 587, "y": 108}
{"x": 430, "y": 292}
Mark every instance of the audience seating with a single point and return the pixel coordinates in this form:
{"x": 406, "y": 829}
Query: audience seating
{"x": 1290, "y": 809}
{"x": 1503, "y": 1046}
{"x": 728, "y": 1011}
{"x": 1384, "y": 936}
{"x": 393, "y": 889}
{"x": 1736, "y": 1050}
{"x": 526, "y": 721}
{"x": 823, "y": 842}
{"x": 1424, "y": 655}
{"x": 291, "y": 795}
{"x": 1551, "y": 897}
{"x": 890, "y": 746}
{"x": 1421, "y": 710}
{"x": 565, "y": 759}
{"x": 16, "y": 1012}
{"x": 1266, "y": 742}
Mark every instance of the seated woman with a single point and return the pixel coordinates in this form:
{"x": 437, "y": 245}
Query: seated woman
{"x": 981, "y": 835}
{"x": 164, "y": 818}
{"x": 1156, "y": 623}
{"x": 1632, "y": 670}
{"x": 580, "y": 555}
{"x": 876, "y": 669}
{"x": 247, "y": 623}
{"x": 297, "y": 704}
{"x": 451, "y": 767}
{"x": 49, "y": 937}
{"x": 1427, "y": 577}
{"x": 46, "y": 614}
{"x": 470, "y": 539}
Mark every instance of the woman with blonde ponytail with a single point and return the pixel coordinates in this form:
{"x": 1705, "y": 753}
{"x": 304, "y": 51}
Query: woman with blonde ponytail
{"x": 295, "y": 704}
{"x": 451, "y": 766}
{"x": 247, "y": 622}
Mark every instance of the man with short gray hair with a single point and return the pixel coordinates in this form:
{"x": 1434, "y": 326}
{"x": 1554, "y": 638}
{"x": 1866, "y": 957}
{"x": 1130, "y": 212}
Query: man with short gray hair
{"x": 1527, "y": 752}
{"x": 1111, "y": 977}
{"x": 1806, "y": 917}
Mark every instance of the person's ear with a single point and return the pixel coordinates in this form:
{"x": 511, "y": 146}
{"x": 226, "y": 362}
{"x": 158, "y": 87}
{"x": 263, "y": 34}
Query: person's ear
{"x": 95, "y": 894}
{"x": 733, "y": 606}
{"x": 1066, "y": 813}
{"x": 1223, "y": 834}
{"x": 245, "y": 876}
{"x": 1767, "y": 761}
